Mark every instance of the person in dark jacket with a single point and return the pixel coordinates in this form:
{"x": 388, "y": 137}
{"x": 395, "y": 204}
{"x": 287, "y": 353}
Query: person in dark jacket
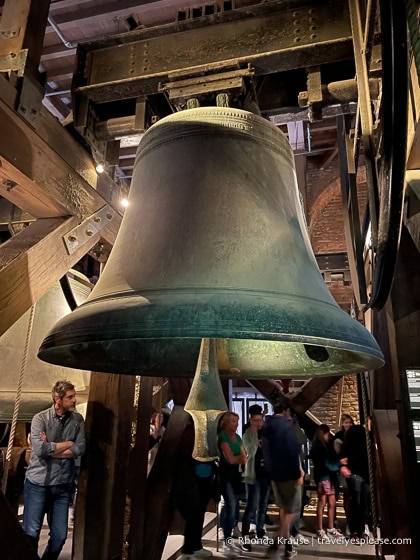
{"x": 346, "y": 423}
{"x": 281, "y": 451}
{"x": 326, "y": 466}
{"x": 191, "y": 494}
{"x": 356, "y": 471}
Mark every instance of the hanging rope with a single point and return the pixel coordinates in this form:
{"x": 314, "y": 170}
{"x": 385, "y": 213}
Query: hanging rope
{"x": 18, "y": 399}
{"x": 371, "y": 459}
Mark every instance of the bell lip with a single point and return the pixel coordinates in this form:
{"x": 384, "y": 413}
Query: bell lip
{"x": 146, "y": 321}
{"x": 51, "y": 341}
{"x": 365, "y": 361}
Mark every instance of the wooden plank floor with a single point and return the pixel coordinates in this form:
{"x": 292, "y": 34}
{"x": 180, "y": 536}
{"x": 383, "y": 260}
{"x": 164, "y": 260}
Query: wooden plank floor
{"x": 311, "y": 551}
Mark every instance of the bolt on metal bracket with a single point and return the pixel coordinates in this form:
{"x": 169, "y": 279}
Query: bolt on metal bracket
{"x": 76, "y": 237}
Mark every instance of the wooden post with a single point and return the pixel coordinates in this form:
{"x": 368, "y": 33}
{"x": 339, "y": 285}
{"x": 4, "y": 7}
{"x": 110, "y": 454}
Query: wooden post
{"x": 14, "y": 544}
{"x": 138, "y": 470}
{"x": 400, "y": 470}
{"x": 159, "y": 486}
{"x": 101, "y": 499}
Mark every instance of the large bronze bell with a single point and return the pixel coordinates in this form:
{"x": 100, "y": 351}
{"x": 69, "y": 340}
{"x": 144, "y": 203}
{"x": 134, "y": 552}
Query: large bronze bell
{"x": 39, "y": 377}
{"x": 213, "y": 245}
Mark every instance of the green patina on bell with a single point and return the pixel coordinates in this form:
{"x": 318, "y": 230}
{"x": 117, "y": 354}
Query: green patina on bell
{"x": 213, "y": 245}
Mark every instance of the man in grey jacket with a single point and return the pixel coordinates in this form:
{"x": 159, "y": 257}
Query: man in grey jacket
{"x": 58, "y": 438}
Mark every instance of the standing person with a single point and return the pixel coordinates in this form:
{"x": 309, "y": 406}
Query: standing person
{"x": 232, "y": 456}
{"x": 346, "y": 422}
{"x": 281, "y": 451}
{"x": 356, "y": 471}
{"x": 253, "y": 409}
{"x": 256, "y": 481}
{"x": 58, "y": 438}
{"x": 192, "y": 492}
{"x": 326, "y": 466}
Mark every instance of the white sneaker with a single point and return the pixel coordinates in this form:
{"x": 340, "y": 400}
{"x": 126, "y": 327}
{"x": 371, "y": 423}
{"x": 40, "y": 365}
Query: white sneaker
{"x": 336, "y": 533}
{"x": 321, "y": 535}
{"x": 252, "y": 528}
{"x": 202, "y": 553}
{"x": 236, "y": 532}
{"x": 231, "y": 550}
{"x": 220, "y": 535}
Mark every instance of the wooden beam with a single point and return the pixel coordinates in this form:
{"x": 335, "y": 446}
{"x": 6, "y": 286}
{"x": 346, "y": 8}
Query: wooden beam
{"x": 54, "y": 178}
{"x": 329, "y": 156}
{"x": 27, "y": 19}
{"x": 180, "y": 387}
{"x": 271, "y": 390}
{"x": 394, "y": 501}
{"x": 352, "y": 228}
{"x": 267, "y": 387}
{"x": 46, "y": 172}
{"x": 101, "y": 498}
{"x": 107, "y": 10}
{"x": 312, "y": 391}
{"x": 56, "y": 51}
{"x": 14, "y": 544}
{"x": 31, "y": 262}
{"x": 138, "y": 468}
{"x": 160, "y": 482}
{"x": 403, "y": 321}
{"x": 60, "y": 73}
{"x": 163, "y": 394}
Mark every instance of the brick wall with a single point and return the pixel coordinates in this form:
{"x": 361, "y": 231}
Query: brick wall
{"x": 327, "y": 408}
{"x": 326, "y": 229}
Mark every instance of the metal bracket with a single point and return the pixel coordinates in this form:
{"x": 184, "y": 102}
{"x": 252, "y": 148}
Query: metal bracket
{"x": 14, "y": 62}
{"x": 31, "y": 96}
{"x": 76, "y": 237}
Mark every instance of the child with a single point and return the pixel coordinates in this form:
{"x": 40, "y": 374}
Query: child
{"x": 326, "y": 466}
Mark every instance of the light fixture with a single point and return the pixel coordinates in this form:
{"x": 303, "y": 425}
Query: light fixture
{"x": 100, "y": 168}
{"x": 124, "y": 202}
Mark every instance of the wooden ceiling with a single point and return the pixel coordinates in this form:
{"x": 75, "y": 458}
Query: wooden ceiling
{"x": 72, "y": 22}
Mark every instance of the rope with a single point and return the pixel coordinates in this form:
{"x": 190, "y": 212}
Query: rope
{"x": 371, "y": 460}
{"x": 18, "y": 399}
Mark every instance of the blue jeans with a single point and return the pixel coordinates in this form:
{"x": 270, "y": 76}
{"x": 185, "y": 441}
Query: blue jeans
{"x": 257, "y": 496}
{"x": 53, "y": 501}
{"x": 228, "y": 514}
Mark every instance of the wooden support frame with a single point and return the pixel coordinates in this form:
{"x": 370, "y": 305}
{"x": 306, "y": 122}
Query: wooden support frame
{"x": 35, "y": 257}
{"x": 49, "y": 175}
{"x": 159, "y": 485}
{"x": 214, "y": 48}
{"x": 23, "y": 23}
{"x": 312, "y": 391}
{"x": 14, "y": 544}
{"x": 101, "y": 499}
{"x": 37, "y": 178}
{"x": 350, "y": 205}
{"x": 138, "y": 469}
